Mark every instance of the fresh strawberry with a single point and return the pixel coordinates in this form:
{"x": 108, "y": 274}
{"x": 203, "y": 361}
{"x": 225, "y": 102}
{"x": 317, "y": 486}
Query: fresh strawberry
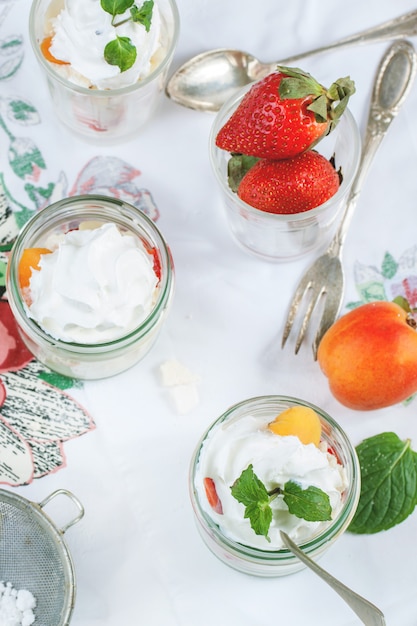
{"x": 291, "y": 185}
{"x": 211, "y": 494}
{"x": 284, "y": 114}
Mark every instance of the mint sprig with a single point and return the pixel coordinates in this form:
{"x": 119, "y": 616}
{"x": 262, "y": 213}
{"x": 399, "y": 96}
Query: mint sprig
{"x": 388, "y": 483}
{"x": 311, "y": 504}
{"x": 250, "y": 491}
{"x": 121, "y": 51}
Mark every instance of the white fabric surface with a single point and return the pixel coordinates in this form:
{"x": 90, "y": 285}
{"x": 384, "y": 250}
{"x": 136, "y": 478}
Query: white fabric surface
{"x": 137, "y": 553}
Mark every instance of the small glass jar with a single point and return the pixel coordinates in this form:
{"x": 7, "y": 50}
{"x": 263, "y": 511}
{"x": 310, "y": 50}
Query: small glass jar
{"x": 100, "y": 360}
{"x": 105, "y": 116}
{"x": 280, "y": 238}
{"x": 271, "y": 563}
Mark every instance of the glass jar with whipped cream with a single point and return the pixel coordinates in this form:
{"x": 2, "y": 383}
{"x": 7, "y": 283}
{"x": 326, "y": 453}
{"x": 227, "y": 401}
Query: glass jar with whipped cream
{"x": 251, "y": 470}
{"x": 90, "y": 280}
{"x": 105, "y": 73}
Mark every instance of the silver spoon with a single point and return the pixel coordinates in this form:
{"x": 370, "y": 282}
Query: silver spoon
{"x": 367, "y": 612}
{"x": 207, "y": 80}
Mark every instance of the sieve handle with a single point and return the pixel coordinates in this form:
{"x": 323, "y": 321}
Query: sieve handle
{"x": 75, "y": 500}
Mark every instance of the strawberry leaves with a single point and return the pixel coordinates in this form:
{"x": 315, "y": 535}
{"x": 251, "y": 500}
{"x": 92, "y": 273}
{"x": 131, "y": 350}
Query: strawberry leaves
{"x": 297, "y": 85}
{"x": 311, "y": 504}
{"x": 121, "y": 51}
{"x": 389, "y": 483}
{"x": 237, "y": 166}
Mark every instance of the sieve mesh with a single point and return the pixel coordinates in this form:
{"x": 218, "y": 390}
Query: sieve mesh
{"x": 33, "y": 556}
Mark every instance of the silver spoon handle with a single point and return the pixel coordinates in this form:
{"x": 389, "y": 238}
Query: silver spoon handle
{"x": 401, "y": 26}
{"x": 392, "y": 84}
{"x": 365, "y": 610}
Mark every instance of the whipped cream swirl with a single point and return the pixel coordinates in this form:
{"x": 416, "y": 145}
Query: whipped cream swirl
{"x": 82, "y": 30}
{"x": 95, "y": 286}
{"x": 276, "y": 459}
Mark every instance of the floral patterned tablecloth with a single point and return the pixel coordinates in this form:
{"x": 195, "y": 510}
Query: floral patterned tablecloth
{"x": 123, "y": 445}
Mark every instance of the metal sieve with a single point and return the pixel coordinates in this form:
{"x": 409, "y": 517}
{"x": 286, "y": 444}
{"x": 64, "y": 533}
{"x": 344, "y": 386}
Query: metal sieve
{"x": 34, "y": 556}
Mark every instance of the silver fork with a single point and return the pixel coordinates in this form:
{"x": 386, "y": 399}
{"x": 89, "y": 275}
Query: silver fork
{"x": 323, "y": 282}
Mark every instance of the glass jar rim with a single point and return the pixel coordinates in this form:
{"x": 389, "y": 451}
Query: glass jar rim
{"x": 345, "y": 514}
{"x": 126, "y": 216}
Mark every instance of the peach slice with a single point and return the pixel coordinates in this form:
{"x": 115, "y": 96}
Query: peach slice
{"x": 46, "y": 51}
{"x": 300, "y": 421}
{"x": 29, "y": 261}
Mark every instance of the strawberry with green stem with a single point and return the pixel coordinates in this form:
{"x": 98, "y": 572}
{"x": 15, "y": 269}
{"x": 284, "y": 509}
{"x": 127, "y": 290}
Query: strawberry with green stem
{"x": 284, "y": 114}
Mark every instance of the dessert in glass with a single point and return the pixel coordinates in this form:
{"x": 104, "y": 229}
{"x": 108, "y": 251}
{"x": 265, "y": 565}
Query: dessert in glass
{"x": 106, "y": 73}
{"x": 90, "y": 280}
{"x": 284, "y": 237}
{"x": 292, "y": 448}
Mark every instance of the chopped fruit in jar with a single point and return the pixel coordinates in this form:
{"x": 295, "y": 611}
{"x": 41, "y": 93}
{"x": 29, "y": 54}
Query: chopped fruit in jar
{"x": 156, "y": 260}
{"x": 332, "y": 451}
{"x": 29, "y": 261}
{"x": 212, "y": 497}
{"x": 300, "y": 421}
{"x": 46, "y": 51}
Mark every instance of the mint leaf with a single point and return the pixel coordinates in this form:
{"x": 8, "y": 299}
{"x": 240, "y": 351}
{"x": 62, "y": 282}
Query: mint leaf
{"x": 144, "y": 14}
{"x": 311, "y": 504}
{"x": 120, "y": 52}
{"x": 389, "y": 483}
{"x": 237, "y": 166}
{"x": 116, "y": 7}
{"x": 250, "y": 491}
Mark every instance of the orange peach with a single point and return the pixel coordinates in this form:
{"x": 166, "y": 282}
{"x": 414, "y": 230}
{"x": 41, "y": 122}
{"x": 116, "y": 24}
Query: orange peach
{"x": 46, "y": 51}
{"x": 29, "y": 261}
{"x": 369, "y": 356}
{"x": 300, "y": 421}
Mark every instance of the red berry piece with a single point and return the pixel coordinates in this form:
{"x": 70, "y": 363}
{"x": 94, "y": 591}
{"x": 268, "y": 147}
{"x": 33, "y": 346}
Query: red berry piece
{"x": 212, "y": 497}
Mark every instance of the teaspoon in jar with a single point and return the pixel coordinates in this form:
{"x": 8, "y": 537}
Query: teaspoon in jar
{"x": 367, "y": 612}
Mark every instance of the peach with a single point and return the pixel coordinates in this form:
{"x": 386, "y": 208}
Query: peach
{"x": 29, "y": 261}
{"x": 369, "y": 356}
{"x": 300, "y": 421}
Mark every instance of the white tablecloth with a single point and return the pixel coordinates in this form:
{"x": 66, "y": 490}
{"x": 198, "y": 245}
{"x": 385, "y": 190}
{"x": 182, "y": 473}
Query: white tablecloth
{"x": 137, "y": 553}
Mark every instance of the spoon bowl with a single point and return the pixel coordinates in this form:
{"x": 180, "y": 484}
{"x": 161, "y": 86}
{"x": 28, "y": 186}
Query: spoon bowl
{"x": 209, "y": 79}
